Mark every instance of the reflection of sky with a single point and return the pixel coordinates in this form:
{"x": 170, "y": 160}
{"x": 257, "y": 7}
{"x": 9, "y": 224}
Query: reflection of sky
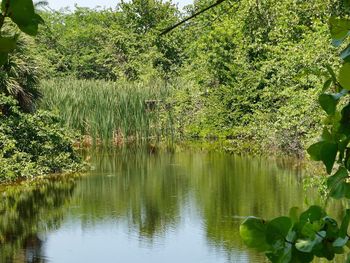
{"x": 57, "y": 4}
{"x": 111, "y": 240}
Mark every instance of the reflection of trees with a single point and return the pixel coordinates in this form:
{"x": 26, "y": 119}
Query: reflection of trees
{"x": 27, "y": 210}
{"x": 148, "y": 191}
{"x": 229, "y": 188}
{"x": 140, "y": 188}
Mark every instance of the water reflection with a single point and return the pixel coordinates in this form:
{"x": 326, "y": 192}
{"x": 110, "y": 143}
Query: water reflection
{"x": 26, "y": 211}
{"x": 140, "y": 207}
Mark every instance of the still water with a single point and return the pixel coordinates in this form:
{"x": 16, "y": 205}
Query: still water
{"x": 140, "y": 207}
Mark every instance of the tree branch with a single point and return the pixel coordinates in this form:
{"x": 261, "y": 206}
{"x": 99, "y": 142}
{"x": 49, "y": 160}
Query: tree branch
{"x": 167, "y": 30}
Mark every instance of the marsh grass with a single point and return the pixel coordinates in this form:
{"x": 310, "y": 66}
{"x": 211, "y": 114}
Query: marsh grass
{"x": 108, "y": 112}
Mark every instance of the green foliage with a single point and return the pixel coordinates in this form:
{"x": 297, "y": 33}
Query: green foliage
{"x": 111, "y": 44}
{"x": 33, "y": 144}
{"x": 257, "y": 65}
{"x": 19, "y": 76}
{"x": 23, "y": 14}
{"x": 316, "y": 234}
{"x": 18, "y": 70}
{"x": 111, "y": 112}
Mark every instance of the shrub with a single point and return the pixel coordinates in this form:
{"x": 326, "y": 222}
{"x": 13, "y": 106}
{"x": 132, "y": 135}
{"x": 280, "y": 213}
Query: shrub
{"x": 33, "y": 144}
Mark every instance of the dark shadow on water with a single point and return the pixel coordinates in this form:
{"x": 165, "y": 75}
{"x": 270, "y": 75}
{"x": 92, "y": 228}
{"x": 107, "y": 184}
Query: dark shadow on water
{"x": 26, "y": 211}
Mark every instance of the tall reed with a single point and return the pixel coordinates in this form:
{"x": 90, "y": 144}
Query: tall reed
{"x": 110, "y": 111}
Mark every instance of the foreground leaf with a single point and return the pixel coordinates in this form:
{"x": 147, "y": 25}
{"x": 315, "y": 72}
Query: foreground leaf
{"x": 253, "y": 233}
{"x": 344, "y": 76}
{"x": 337, "y": 184}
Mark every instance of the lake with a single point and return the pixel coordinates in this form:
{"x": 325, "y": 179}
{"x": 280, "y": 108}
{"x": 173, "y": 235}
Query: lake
{"x": 139, "y": 207}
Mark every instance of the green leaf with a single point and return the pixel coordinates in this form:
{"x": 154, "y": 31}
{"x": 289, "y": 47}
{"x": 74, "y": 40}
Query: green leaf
{"x": 3, "y": 58}
{"x": 345, "y": 54}
{"x": 7, "y": 44}
{"x": 331, "y": 72}
{"x": 344, "y": 76}
{"x": 345, "y": 224}
{"x": 314, "y": 213}
{"x": 307, "y": 245}
{"x": 32, "y": 28}
{"x": 23, "y": 14}
{"x": 328, "y": 103}
{"x": 283, "y": 255}
{"x": 337, "y": 184}
{"x": 324, "y": 151}
{"x": 277, "y": 229}
{"x": 253, "y": 233}
{"x": 340, "y": 242}
{"x": 327, "y": 84}
{"x": 339, "y": 28}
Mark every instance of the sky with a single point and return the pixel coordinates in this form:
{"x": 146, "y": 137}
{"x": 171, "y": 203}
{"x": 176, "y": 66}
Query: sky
{"x": 57, "y": 4}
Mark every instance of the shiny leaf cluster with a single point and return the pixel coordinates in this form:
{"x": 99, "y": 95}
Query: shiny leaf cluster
{"x": 299, "y": 237}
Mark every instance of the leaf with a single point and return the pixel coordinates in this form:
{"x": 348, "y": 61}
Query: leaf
{"x": 345, "y": 54}
{"x": 324, "y": 151}
{"x": 307, "y": 245}
{"x": 340, "y": 242}
{"x": 344, "y": 127}
{"x": 32, "y": 28}
{"x": 3, "y": 58}
{"x": 253, "y": 233}
{"x": 331, "y": 72}
{"x": 337, "y": 184}
{"x": 281, "y": 256}
{"x": 23, "y": 14}
{"x": 277, "y": 229}
{"x": 345, "y": 224}
{"x": 328, "y": 103}
{"x": 327, "y": 84}
{"x": 314, "y": 213}
{"x": 7, "y": 44}
{"x": 339, "y": 28}
{"x": 344, "y": 76}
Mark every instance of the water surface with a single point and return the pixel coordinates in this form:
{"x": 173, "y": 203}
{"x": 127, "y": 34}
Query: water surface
{"x": 140, "y": 207}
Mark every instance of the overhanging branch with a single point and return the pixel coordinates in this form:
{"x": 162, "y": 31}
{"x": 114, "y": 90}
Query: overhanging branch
{"x": 167, "y": 30}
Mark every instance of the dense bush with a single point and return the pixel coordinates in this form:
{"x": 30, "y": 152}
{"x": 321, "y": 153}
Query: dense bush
{"x": 33, "y": 144}
{"x": 123, "y": 43}
{"x": 246, "y": 72}
{"x": 258, "y": 66}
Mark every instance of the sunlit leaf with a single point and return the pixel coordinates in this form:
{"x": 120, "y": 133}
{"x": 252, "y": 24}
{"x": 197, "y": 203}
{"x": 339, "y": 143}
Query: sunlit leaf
{"x": 339, "y": 28}
{"x": 253, "y": 233}
{"x": 307, "y": 245}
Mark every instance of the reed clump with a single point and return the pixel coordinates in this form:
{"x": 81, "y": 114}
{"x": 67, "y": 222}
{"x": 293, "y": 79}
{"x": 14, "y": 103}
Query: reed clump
{"x": 110, "y": 112}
